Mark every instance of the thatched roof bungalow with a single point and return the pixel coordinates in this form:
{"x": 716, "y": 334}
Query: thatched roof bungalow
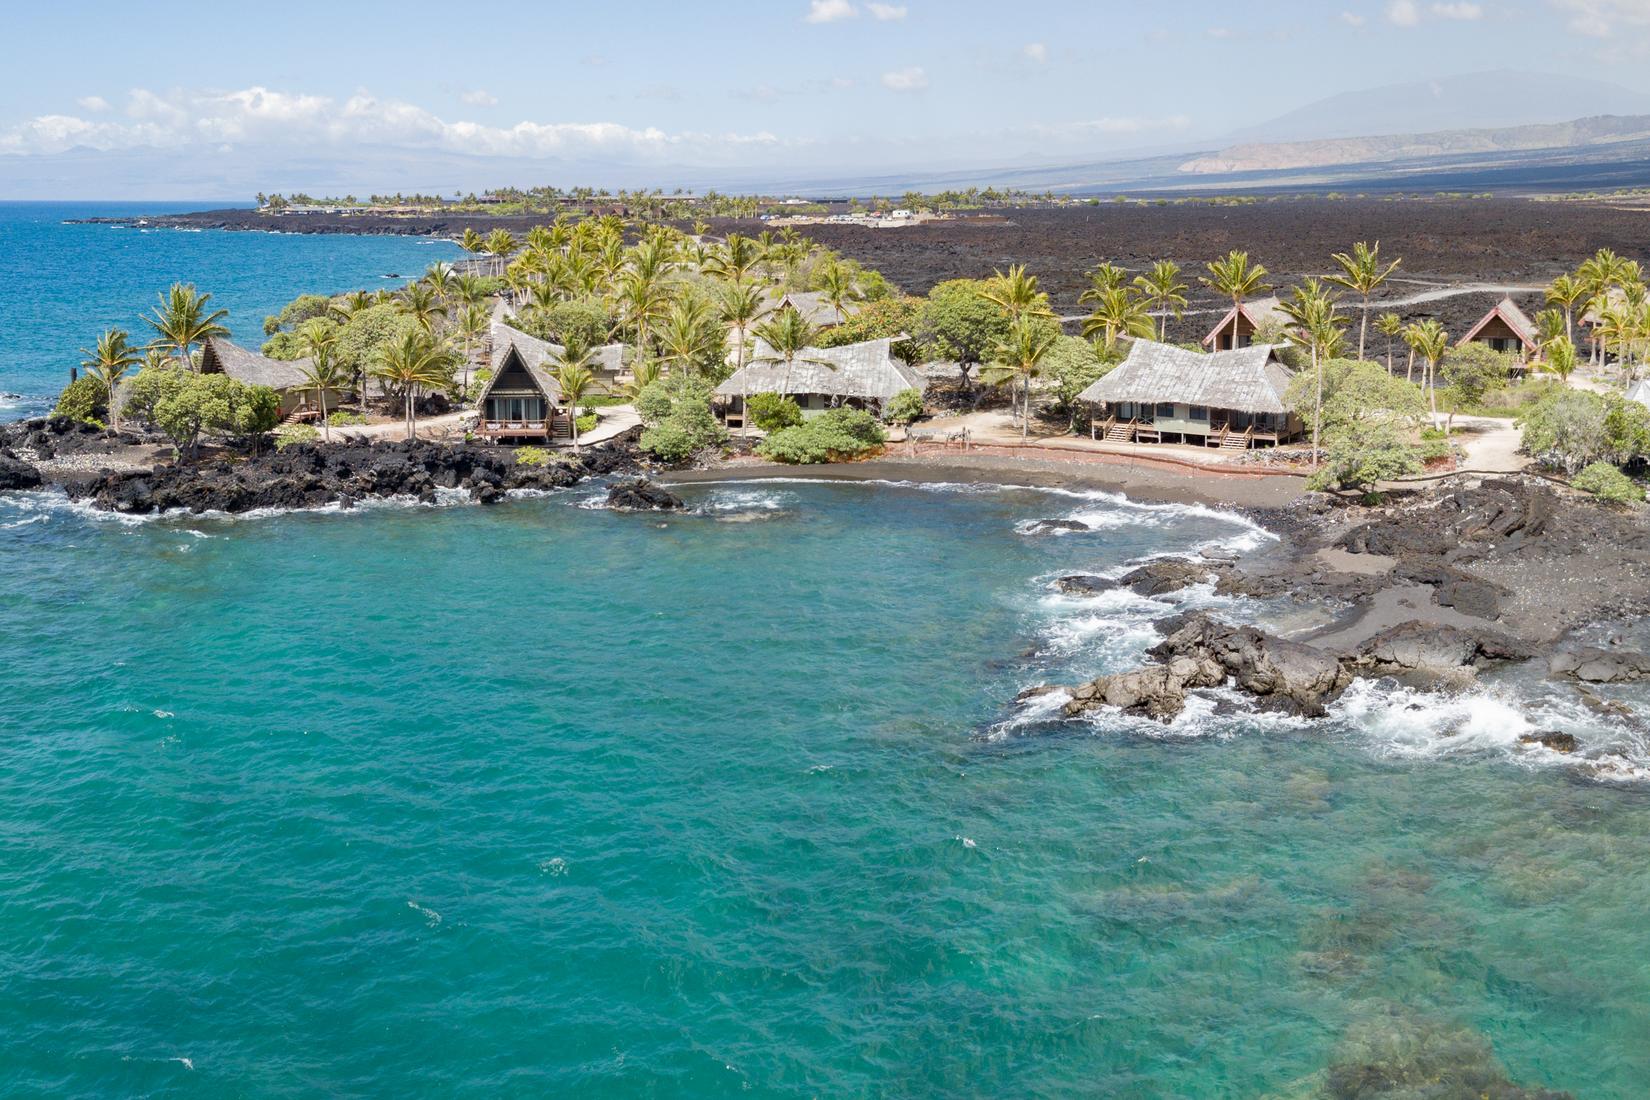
{"x": 1237, "y": 328}
{"x": 284, "y": 376}
{"x": 1165, "y": 394}
{"x": 1505, "y": 328}
{"x": 815, "y": 309}
{"x": 521, "y": 399}
{"x": 865, "y": 375}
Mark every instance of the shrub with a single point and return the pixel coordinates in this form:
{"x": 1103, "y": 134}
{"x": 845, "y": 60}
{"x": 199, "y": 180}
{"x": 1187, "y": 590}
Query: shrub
{"x": 582, "y": 324}
{"x": 587, "y": 422}
{"x": 653, "y": 403}
{"x": 772, "y": 411}
{"x": 1359, "y": 458}
{"x": 834, "y": 436}
{"x": 679, "y": 422}
{"x": 342, "y": 419}
{"x": 1609, "y": 484}
{"x": 288, "y": 434}
{"x": 84, "y": 400}
{"x": 904, "y": 407}
{"x": 187, "y": 406}
{"x": 1572, "y": 429}
{"x": 1354, "y": 392}
{"x": 532, "y": 456}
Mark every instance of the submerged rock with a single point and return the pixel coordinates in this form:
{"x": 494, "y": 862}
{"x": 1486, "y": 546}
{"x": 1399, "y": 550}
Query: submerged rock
{"x": 641, "y": 495}
{"x": 1552, "y": 739}
{"x": 1083, "y": 584}
{"x": 1167, "y": 575}
{"x": 1400, "y": 1054}
{"x": 1050, "y": 526}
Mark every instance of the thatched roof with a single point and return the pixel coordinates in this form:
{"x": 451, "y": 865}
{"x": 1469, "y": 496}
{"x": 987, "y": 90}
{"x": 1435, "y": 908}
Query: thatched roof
{"x": 1246, "y": 380}
{"x": 1513, "y": 317}
{"x": 1261, "y": 311}
{"x": 865, "y": 371}
{"x": 607, "y": 358}
{"x": 220, "y": 356}
{"x": 814, "y": 308}
{"x": 536, "y": 356}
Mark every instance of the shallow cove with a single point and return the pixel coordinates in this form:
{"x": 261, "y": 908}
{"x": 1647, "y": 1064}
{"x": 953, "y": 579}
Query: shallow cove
{"x": 544, "y": 799}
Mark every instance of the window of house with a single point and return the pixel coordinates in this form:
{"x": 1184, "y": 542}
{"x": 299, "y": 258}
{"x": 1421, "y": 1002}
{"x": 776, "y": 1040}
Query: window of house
{"x": 1165, "y": 408}
{"x": 1200, "y": 412}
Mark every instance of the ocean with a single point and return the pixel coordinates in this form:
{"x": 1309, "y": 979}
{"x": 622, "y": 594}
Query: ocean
{"x": 64, "y": 284}
{"x": 541, "y": 799}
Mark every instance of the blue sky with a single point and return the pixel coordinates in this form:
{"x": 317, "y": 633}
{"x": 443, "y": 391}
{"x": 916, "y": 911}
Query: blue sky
{"x": 412, "y": 94}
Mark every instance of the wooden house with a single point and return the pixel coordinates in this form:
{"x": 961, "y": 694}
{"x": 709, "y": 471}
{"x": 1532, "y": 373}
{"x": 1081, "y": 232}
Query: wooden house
{"x": 1236, "y": 329}
{"x": 299, "y": 400}
{"x": 1505, "y": 328}
{"x": 1165, "y": 394}
{"x": 521, "y": 400}
{"x": 815, "y": 309}
{"x": 864, "y": 375}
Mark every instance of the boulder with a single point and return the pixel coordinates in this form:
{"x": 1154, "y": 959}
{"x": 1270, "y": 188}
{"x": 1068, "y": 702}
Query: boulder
{"x": 1167, "y": 575}
{"x": 1054, "y": 526}
{"x": 1552, "y": 739}
{"x": 1593, "y": 665}
{"x": 17, "y": 474}
{"x": 1284, "y": 674}
{"x": 1158, "y": 691}
{"x": 1435, "y": 650}
{"x": 1083, "y": 584}
{"x": 641, "y": 495}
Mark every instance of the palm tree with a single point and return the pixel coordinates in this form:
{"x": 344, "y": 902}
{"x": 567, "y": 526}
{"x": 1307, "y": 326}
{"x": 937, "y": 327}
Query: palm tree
{"x": 1566, "y": 293}
{"x": 690, "y": 333}
{"x": 1389, "y": 325}
{"x": 419, "y": 301}
{"x": 1561, "y": 357}
{"x": 642, "y": 375}
{"x": 1317, "y": 329}
{"x": 1232, "y": 276}
{"x": 182, "y": 320}
{"x": 1118, "y": 312}
{"x": 1362, "y": 273}
{"x": 472, "y": 242}
{"x": 500, "y": 243}
{"x": 1430, "y": 342}
{"x": 471, "y": 322}
{"x": 1017, "y": 294}
{"x": 737, "y": 258}
{"x": 348, "y": 305}
{"x": 1106, "y": 276}
{"x": 640, "y": 297}
{"x": 836, "y": 283}
{"x": 1020, "y": 356}
{"x": 469, "y": 290}
{"x": 108, "y": 362}
{"x": 576, "y": 381}
{"x": 319, "y": 337}
{"x": 741, "y": 306}
{"x": 787, "y": 336}
{"x": 440, "y": 279}
{"x": 412, "y": 363}
{"x": 1163, "y": 293}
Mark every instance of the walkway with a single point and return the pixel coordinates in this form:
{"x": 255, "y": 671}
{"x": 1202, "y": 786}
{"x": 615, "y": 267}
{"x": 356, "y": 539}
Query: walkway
{"x": 1491, "y": 444}
{"x": 614, "y": 420}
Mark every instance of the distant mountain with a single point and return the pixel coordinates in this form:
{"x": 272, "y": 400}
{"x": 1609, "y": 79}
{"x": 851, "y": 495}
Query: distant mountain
{"x": 1478, "y": 101}
{"x": 1280, "y": 156}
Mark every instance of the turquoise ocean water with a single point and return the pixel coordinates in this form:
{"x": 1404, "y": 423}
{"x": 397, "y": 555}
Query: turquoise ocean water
{"x": 543, "y": 800}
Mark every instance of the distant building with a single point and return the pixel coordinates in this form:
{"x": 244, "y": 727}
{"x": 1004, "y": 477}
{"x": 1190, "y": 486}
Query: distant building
{"x": 1237, "y": 329}
{"x": 1164, "y": 394}
{"x": 815, "y": 309}
{"x": 1505, "y": 328}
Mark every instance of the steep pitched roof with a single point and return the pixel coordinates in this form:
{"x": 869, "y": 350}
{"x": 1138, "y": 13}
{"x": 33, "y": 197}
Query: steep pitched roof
{"x": 1246, "y": 380}
{"x": 813, "y": 307}
{"x": 865, "y": 370}
{"x": 1507, "y": 310}
{"x": 1258, "y": 312}
{"x": 534, "y": 355}
{"x": 220, "y": 356}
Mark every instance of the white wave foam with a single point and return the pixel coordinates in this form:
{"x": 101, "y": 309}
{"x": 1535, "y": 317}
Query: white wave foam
{"x": 431, "y": 917}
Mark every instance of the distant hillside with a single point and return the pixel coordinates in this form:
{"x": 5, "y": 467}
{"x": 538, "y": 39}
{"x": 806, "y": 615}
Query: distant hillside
{"x": 1283, "y": 156}
{"x": 1477, "y": 101}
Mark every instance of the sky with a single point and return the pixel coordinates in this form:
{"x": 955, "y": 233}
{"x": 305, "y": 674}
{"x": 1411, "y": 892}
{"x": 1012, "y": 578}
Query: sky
{"x": 194, "y": 102}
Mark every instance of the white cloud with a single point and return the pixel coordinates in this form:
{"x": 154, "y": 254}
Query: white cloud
{"x": 1403, "y": 13}
{"x": 1461, "y": 11}
{"x": 92, "y": 103}
{"x": 1036, "y": 51}
{"x": 1353, "y": 19}
{"x": 259, "y": 116}
{"x": 912, "y": 79}
{"x": 1600, "y": 18}
{"x": 886, "y": 12}
{"x": 829, "y": 11}
{"x": 1219, "y": 32}
{"x": 1110, "y": 126}
{"x": 479, "y": 97}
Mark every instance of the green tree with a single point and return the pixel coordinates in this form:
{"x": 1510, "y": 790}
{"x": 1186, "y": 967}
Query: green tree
{"x": 1234, "y": 277}
{"x": 1163, "y": 293}
{"x": 1118, "y": 312}
{"x": 1355, "y": 393}
{"x": 324, "y": 374}
{"x": 1430, "y": 342}
{"x": 1019, "y": 357}
{"x": 1471, "y": 372}
{"x": 773, "y": 411}
{"x": 1566, "y": 293}
{"x": 1317, "y": 329}
{"x": 959, "y": 322}
{"x": 1362, "y": 272}
{"x": 366, "y": 334}
{"x": 1389, "y": 325}
{"x": 1362, "y": 459}
{"x": 183, "y": 319}
{"x": 787, "y": 337}
{"x": 576, "y": 381}
{"x": 1562, "y": 358}
{"x": 108, "y": 363}
{"x": 412, "y": 363}
{"x": 836, "y": 284}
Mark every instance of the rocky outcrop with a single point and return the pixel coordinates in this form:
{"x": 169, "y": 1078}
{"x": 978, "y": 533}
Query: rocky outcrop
{"x": 1287, "y": 674}
{"x": 1083, "y": 584}
{"x": 1593, "y": 665}
{"x": 17, "y": 474}
{"x": 310, "y": 475}
{"x": 1165, "y": 575}
{"x": 1432, "y": 650}
{"x": 641, "y": 495}
{"x": 1552, "y": 739}
{"x": 1055, "y": 526}
{"x": 1157, "y": 691}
